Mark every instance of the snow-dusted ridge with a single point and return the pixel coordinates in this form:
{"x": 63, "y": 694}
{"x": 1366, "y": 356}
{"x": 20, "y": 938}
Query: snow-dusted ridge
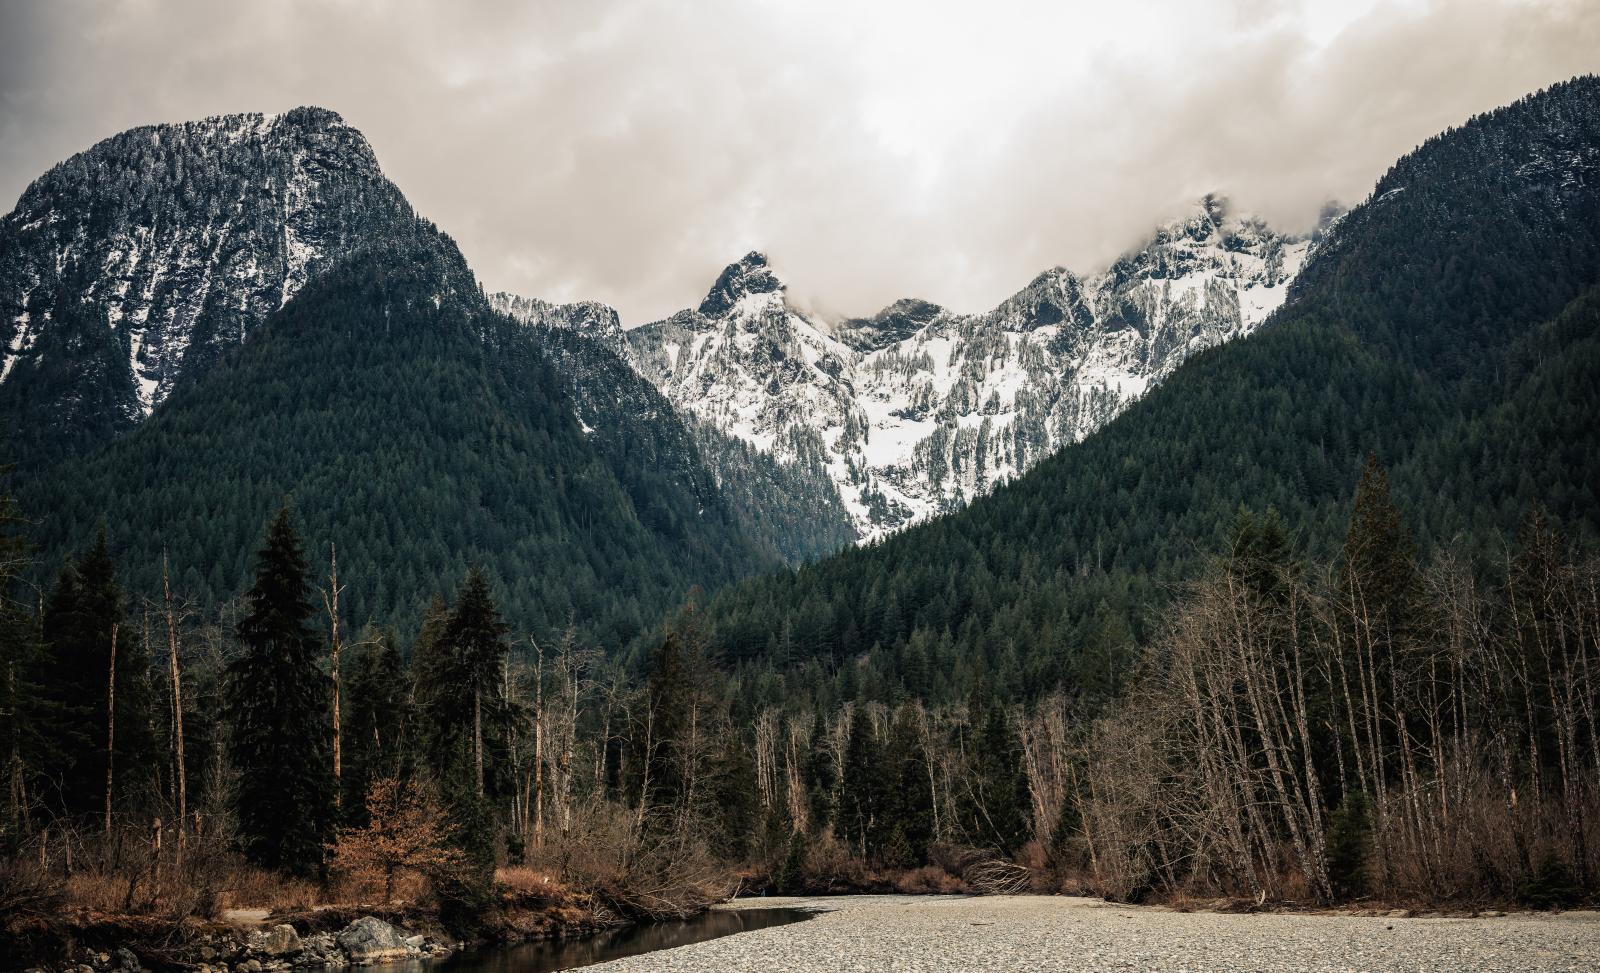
{"x": 917, "y": 409}
{"x": 176, "y": 239}
{"x": 129, "y": 268}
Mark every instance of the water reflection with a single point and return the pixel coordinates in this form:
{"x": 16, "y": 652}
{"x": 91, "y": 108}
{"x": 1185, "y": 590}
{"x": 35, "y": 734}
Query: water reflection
{"x": 617, "y": 943}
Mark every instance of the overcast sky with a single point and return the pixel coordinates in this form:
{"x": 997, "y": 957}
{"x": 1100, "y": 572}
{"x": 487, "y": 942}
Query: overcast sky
{"x": 626, "y": 150}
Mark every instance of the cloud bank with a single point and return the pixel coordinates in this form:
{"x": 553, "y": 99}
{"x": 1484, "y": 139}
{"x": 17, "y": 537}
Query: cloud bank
{"x": 625, "y": 150}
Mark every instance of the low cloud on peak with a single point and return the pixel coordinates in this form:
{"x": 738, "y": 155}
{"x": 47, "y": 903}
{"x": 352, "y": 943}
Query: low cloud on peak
{"x": 626, "y": 150}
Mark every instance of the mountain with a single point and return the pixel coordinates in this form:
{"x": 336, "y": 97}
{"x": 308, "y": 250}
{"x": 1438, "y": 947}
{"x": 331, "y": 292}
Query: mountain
{"x": 1446, "y": 325}
{"x": 794, "y": 513}
{"x": 128, "y": 269}
{"x": 212, "y": 317}
{"x": 916, "y": 410}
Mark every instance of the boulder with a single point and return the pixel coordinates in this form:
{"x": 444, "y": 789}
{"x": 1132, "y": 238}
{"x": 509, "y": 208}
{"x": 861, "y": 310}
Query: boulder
{"x": 280, "y": 940}
{"x": 371, "y": 940}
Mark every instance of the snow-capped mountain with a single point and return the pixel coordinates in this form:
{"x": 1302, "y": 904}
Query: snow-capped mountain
{"x": 917, "y": 409}
{"x": 129, "y": 269}
{"x": 132, "y": 265}
{"x": 794, "y": 510}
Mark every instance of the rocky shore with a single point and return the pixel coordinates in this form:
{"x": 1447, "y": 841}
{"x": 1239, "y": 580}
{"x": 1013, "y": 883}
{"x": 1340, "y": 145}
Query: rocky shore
{"x": 254, "y": 941}
{"x": 273, "y": 948}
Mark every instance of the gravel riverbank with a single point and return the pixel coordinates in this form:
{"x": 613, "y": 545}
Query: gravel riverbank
{"x": 1036, "y": 933}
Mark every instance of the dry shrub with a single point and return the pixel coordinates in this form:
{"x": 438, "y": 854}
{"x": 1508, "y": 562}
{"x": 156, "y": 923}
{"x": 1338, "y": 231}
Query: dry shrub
{"x": 125, "y": 873}
{"x": 96, "y": 891}
{"x": 530, "y": 882}
{"x": 830, "y": 866}
{"x": 928, "y": 880}
{"x": 25, "y": 889}
{"x": 249, "y": 887}
{"x": 636, "y": 874}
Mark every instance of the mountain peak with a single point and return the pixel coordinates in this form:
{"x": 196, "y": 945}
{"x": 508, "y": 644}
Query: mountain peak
{"x": 750, "y": 274}
{"x": 893, "y": 324}
{"x": 312, "y": 116}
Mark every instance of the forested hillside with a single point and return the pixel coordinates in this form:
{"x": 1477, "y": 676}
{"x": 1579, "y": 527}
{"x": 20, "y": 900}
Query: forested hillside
{"x": 1317, "y": 620}
{"x": 421, "y": 433}
{"x": 1443, "y": 327}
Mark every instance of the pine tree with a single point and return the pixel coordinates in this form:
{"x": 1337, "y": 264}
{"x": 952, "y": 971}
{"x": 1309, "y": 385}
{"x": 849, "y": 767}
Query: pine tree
{"x": 279, "y": 703}
{"x": 83, "y": 607}
{"x": 377, "y": 721}
{"x": 461, "y": 714}
{"x": 820, "y": 777}
{"x": 995, "y": 812}
{"x": 28, "y": 744}
{"x": 862, "y": 788}
{"x": 908, "y": 801}
{"x": 1378, "y": 569}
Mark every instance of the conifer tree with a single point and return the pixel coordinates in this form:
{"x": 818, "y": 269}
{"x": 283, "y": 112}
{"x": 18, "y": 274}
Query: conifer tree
{"x": 279, "y": 703}
{"x": 84, "y": 605}
{"x": 908, "y": 800}
{"x": 28, "y": 743}
{"x": 820, "y": 776}
{"x": 377, "y": 721}
{"x": 862, "y": 788}
{"x": 1378, "y": 569}
{"x": 995, "y": 812}
{"x": 461, "y": 709}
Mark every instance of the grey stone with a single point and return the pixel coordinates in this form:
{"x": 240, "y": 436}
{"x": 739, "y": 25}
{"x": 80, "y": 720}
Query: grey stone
{"x": 370, "y": 939}
{"x": 280, "y": 940}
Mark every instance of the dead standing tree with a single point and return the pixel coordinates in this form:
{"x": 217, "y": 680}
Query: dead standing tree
{"x": 330, "y": 602}
{"x": 180, "y": 770}
{"x": 111, "y": 726}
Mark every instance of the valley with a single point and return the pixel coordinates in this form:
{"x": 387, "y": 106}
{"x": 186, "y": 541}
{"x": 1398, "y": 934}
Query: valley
{"x": 1232, "y": 603}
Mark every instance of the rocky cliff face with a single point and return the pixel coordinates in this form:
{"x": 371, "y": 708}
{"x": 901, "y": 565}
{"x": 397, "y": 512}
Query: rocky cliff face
{"x": 127, "y": 269}
{"x": 917, "y": 409}
{"x": 793, "y": 510}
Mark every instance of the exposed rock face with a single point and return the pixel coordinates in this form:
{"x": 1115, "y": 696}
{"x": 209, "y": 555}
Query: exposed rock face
{"x": 917, "y": 409}
{"x": 130, "y": 267}
{"x": 797, "y": 511}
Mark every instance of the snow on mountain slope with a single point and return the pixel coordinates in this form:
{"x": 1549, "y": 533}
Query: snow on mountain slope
{"x": 916, "y": 409}
{"x": 170, "y": 242}
{"x": 795, "y": 510}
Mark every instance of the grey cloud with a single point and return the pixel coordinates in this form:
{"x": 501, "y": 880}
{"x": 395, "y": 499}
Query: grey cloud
{"x": 624, "y": 150}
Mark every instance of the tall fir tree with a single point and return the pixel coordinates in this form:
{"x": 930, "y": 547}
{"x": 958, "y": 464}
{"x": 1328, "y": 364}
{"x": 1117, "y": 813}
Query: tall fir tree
{"x": 1378, "y": 570}
{"x": 908, "y": 802}
{"x": 862, "y": 788}
{"x": 279, "y": 701}
{"x": 995, "y": 809}
{"x": 28, "y": 717}
{"x": 462, "y": 711}
{"x": 80, "y": 614}
{"x": 377, "y": 721}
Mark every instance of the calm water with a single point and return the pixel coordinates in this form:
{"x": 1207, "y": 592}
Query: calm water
{"x": 617, "y": 943}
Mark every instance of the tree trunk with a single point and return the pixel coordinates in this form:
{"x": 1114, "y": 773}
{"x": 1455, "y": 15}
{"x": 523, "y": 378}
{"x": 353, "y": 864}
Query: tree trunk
{"x": 538, "y": 745}
{"x": 111, "y": 726}
{"x": 477, "y": 735}
{"x": 177, "y": 708}
{"x": 330, "y": 599}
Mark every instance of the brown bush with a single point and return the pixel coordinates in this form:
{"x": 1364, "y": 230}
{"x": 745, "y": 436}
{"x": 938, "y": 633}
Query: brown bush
{"x": 635, "y": 873}
{"x": 928, "y": 880}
